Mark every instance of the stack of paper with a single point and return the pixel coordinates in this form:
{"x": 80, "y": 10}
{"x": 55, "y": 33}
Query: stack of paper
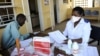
{"x": 42, "y": 46}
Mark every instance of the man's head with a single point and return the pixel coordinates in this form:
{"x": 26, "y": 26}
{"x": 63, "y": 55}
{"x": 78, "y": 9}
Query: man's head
{"x": 21, "y": 18}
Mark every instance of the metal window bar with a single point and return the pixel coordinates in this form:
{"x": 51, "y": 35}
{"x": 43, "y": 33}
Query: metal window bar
{"x": 5, "y": 19}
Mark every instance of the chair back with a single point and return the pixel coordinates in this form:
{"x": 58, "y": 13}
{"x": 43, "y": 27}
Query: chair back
{"x": 95, "y": 33}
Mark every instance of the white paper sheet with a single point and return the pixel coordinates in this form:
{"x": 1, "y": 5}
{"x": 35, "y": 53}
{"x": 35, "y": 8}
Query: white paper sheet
{"x": 57, "y": 36}
{"x": 25, "y": 43}
{"x": 42, "y": 39}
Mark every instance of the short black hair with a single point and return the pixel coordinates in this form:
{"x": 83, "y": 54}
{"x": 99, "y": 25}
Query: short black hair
{"x": 20, "y": 16}
{"x": 80, "y": 10}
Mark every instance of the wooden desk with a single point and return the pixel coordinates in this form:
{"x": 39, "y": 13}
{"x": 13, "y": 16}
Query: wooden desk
{"x": 87, "y": 51}
{"x": 57, "y": 51}
{"x": 41, "y": 34}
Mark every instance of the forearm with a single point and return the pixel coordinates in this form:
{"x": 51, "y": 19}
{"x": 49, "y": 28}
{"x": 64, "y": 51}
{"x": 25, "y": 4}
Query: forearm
{"x": 73, "y": 40}
{"x": 77, "y": 40}
{"x": 25, "y": 36}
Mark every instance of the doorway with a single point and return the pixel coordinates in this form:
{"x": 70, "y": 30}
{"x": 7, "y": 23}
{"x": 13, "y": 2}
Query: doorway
{"x": 34, "y": 15}
{"x": 55, "y": 11}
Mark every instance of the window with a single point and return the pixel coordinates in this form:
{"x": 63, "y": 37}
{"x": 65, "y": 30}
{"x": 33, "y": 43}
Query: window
{"x": 83, "y": 3}
{"x": 6, "y": 12}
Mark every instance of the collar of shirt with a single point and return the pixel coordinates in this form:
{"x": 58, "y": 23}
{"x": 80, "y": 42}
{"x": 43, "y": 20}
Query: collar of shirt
{"x": 17, "y": 24}
{"x": 82, "y": 20}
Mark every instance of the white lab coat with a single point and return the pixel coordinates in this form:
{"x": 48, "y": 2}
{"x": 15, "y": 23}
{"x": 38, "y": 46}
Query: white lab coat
{"x": 82, "y": 30}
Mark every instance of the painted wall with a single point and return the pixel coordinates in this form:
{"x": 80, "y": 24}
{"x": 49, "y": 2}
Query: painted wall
{"x": 1, "y": 30}
{"x": 69, "y": 8}
{"x": 47, "y": 18}
{"x": 63, "y": 10}
{"x": 69, "y": 12}
{"x": 19, "y": 9}
{"x": 26, "y": 11}
{"x": 1, "y": 0}
{"x": 46, "y": 15}
{"x": 97, "y": 3}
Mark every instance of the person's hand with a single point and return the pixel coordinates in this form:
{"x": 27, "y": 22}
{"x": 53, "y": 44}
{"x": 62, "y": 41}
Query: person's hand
{"x": 65, "y": 41}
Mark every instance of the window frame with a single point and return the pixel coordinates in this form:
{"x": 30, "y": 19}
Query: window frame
{"x": 9, "y": 16}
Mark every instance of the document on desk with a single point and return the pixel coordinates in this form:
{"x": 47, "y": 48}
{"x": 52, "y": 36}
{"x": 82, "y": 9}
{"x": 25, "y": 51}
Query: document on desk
{"x": 57, "y": 36}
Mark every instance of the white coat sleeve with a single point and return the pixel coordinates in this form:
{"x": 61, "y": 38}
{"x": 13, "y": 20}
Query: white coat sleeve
{"x": 65, "y": 32}
{"x": 86, "y": 33}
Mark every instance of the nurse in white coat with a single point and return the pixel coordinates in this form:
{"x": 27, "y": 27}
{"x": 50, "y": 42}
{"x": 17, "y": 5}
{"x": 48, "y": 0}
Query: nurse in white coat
{"x": 78, "y": 28}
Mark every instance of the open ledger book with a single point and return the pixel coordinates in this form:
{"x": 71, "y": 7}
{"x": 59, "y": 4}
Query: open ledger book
{"x": 57, "y": 36}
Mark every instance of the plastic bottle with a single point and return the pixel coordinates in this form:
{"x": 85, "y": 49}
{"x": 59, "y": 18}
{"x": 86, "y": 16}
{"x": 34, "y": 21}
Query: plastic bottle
{"x": 75, "y": 48}
{"x": 69, "y": 44}
{"x": 69, "y": 51}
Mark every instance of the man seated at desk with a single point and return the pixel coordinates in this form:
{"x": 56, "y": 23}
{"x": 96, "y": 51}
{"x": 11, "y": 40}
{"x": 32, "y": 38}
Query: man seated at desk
{"x": 11, "y": 32}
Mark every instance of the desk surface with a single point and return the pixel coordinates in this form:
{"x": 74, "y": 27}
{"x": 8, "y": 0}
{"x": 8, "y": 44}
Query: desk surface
{"x": 41, "y": 34}
{"x": 90, "y": 51}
